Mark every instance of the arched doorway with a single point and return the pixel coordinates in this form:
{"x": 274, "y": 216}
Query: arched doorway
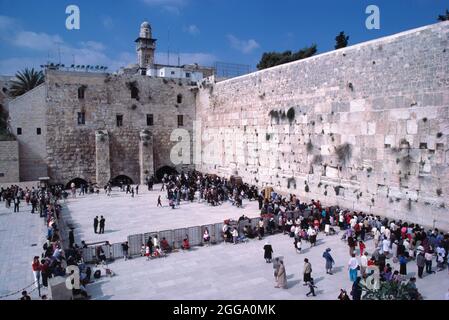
{"x": 116, "y": 182}
{"x": 165, "y": 170}
{"x": 78, "y": 182}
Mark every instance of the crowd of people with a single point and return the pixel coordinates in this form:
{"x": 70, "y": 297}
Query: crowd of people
{"x": 210, "y": 189}
{"x": 396, "y": 243}
{"x": 53, "y": 260}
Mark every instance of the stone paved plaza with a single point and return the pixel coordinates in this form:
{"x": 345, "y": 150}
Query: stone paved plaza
{"x": 223, "y": 271}
{"x": 239, "y": 272}
{"x": 127, "y": 216}
{"x": 21, "y": 238}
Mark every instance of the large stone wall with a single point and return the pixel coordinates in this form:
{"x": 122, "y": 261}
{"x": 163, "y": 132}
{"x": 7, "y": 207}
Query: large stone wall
{"x": 72, "y": 148}
{"x": 28, "y": 113}
{"x": 9, "y": 161}
{"x": 370, "y": 129}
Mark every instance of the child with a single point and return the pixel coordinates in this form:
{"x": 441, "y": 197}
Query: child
{"x": 147, "y": 252}
{"x": 311, "y": 288}
{"x": 362, "y": 247}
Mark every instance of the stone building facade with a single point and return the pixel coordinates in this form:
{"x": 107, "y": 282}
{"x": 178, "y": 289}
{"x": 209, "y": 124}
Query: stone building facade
{"x": 365, "y": 127}
{"x": 9, "y": 161}
{"x": 97, "y": 127}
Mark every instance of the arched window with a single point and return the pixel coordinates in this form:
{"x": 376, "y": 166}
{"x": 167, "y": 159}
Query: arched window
{"x": 179, "y": 98}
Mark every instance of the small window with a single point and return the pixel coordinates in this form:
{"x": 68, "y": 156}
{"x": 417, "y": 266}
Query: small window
{"x": 150, "y": 120}
{"x": 134, "y": 93}
{"x": 19, "y": 131}
{"x": 2, "y": 174}
{"x": 172, "y": 73}
{"x": 180, "y": 120}
{"x": 38, "y": 131}
{"x": 187, "y": 74}
{"x": 81, "y": 91}
{"x": 119, "y": 120}
{"x": 81, "y": 118}
{"x": 179, "y": 98}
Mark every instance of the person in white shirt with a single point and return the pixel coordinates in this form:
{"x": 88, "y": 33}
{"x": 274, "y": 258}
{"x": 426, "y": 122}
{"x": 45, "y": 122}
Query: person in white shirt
{"x": 386, "y": 246}
{"x": 353, "y": 265}
{"x": 235, "y": 235}
{"x": 387, "y": 233}
{"x": 155, "y": 241}
{"x": 363, "y": 263}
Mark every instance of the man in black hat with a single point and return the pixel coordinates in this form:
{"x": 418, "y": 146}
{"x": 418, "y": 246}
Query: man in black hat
{"x": 102, "y": 221}
{"x": 95, "y": 224}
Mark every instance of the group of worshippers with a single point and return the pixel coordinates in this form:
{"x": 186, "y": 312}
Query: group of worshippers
{"x": 396, "y": 240}
{"x": 399, "y": 241}
{"x": 35, "y": 197}
{"x": 211, "y": 189}
{"x": 54, "y": 259}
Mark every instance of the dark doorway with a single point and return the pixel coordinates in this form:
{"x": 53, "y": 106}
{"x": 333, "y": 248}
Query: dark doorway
{"x": 78, "y": 182}
{"x": 165, "y": 170}
{"x": 116, "y": 182}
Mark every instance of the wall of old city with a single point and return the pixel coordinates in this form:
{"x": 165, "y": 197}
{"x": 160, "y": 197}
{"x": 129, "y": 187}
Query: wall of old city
{"x": 9, "y": 162}
{"x": 365, "y": 127}
{"x": 72, "y": 148}
{"x": 27, "y": 113}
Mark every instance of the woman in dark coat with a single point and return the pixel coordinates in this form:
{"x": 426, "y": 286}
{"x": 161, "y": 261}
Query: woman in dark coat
{"x": 356, "y": 289}
{"x": 268, "y": 252}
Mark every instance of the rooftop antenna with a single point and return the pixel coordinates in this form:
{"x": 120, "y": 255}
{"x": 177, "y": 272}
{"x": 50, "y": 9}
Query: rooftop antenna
{"x": 168, "y": 50}
{"x": 179, "y": 59}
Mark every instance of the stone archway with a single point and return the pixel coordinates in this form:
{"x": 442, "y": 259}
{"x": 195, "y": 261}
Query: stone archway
{"x": 78, "y": 182}
{"x": 116, "y": 182}
{"x": 165, "y": 170}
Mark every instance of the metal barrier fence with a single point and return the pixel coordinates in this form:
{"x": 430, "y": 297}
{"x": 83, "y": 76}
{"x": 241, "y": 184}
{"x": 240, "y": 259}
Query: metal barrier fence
{"x": 173, "y": 237}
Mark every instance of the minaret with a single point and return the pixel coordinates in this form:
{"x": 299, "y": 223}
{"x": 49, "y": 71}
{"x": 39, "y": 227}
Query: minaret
{"x": 145, "y": 48}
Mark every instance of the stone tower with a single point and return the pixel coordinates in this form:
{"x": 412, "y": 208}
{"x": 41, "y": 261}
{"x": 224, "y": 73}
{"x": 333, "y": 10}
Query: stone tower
{"x": 145, "y": 47}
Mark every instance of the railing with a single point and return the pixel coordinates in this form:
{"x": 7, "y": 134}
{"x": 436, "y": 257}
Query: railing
{"x": 174, "y": 238}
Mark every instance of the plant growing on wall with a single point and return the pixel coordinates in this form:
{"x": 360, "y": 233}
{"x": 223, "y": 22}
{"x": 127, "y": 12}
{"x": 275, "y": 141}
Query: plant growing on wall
{"x": 291, "y": 182}
{"x": 439, "y": 192}
{"x": 267, "y": 136}
{"x": 309, "y": 146}
{"x": 344, "y": 152}
{"x": 317, "y": 159}
{"x": 274, "y": 114}
{"x": 337, "y": 190}
{"x": 291, "y": 115}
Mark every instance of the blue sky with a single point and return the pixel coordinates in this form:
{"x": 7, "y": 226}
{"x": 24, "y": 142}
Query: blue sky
{"x": 203, "y": 31}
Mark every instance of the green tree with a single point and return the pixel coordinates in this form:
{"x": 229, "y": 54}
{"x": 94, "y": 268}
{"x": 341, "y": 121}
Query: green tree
{"x": 25, "y": 81}
{"x": 342, "y": 40}
{"x": 391, "y": 291}
{"x": 4, "y": 134}
{"x": 271, "y": 59}
{"x": 444, "y": 17}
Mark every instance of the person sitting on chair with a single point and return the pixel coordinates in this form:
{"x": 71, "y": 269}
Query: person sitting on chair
{"x": 185, "y": 244}
{"x": 165, "y": 246}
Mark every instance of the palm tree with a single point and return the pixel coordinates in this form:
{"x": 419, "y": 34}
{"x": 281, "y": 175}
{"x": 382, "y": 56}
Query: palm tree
{"x": 25, "y": 81}
{"x": 444, "y": 17}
